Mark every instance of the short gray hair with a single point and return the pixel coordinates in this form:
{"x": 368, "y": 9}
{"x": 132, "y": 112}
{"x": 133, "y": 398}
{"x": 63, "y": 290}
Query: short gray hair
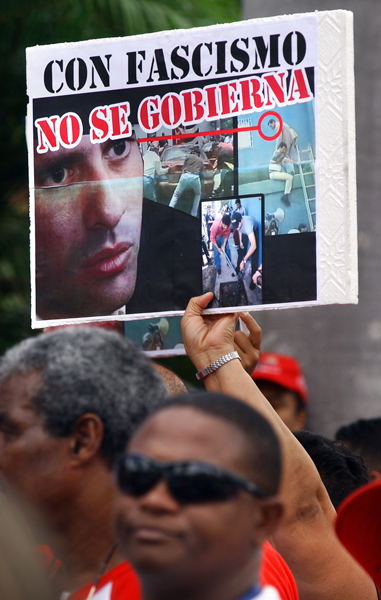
{"x": 88, "y": 370}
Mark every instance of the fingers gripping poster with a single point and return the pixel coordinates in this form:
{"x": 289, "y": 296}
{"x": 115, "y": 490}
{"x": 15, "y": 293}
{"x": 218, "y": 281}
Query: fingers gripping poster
{"x": 167, "y": 165}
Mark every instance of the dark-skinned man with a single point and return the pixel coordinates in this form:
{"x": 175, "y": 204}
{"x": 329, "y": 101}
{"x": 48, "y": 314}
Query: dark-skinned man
{"x": 198, "y": 499}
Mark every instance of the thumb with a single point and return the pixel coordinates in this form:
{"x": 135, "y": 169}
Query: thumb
{"x": 197, "y": 304}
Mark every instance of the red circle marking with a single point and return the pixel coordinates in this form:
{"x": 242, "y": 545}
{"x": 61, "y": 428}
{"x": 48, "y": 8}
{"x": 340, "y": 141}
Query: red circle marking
{"x": 265, "y": 115}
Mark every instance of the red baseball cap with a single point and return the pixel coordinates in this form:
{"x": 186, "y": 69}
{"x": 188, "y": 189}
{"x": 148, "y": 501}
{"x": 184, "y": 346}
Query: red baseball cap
{"x": 358, "y": 527}
{"x": 283, "y": 370}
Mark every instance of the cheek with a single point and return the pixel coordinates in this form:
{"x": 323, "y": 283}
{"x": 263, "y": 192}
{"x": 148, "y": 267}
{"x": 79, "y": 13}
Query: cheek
{"x": 130, "y": 199}
{"x": 122, "y": 516}
{"x": 24, "y": 463}
{"x": 57, "y": 225}
{"x": 211, "y": 525}
{"x": 224, "y": 540}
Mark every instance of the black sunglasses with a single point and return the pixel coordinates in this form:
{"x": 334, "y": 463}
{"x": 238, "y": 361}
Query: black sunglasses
{"x": 188, "y": 481}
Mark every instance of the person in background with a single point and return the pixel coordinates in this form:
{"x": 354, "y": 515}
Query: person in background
{"x": 341, "y": 470}
{"x": 208, "y": 219}
{"x": 239, "y": 208}
{"x": 281, "y": 380}
{"x": 363, "y": 437}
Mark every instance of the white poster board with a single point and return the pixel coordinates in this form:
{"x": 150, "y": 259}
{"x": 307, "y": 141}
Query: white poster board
{"x": 166, "y": 165}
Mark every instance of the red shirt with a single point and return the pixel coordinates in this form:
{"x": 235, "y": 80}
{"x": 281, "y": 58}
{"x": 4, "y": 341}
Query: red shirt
{"x": 274, "y": 571}
{"x": 121, "y": 583}
{"x": 217, "y": 231}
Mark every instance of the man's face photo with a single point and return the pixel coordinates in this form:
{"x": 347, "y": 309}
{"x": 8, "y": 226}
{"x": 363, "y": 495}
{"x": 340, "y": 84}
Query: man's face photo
{"x": 88, "y": 212}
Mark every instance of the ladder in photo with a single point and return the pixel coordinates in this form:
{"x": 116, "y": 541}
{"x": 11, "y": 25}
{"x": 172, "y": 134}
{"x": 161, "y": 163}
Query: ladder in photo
{"x": 307, "y": 178}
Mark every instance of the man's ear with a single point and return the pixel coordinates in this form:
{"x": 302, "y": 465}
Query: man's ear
{"x": 269, "y": 514}
{"x": 373, "y": 475}
{"x": 86, "y": 438}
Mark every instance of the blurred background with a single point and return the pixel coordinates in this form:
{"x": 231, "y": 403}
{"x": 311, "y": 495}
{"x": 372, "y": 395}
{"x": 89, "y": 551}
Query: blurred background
{"x": 339, "y": 347}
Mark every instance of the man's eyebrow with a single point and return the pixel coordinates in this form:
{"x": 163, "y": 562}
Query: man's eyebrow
{"x": 53, "y": 160}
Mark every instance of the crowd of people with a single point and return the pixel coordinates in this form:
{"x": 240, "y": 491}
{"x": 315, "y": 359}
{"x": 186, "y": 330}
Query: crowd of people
{"x": 132, "y": 487}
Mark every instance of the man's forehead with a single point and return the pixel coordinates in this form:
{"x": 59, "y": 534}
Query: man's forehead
{"x": 186, "y": 433}
{"x": 17, "y": 389}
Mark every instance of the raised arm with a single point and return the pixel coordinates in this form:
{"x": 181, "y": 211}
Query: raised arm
{"x": 322, "y": 568}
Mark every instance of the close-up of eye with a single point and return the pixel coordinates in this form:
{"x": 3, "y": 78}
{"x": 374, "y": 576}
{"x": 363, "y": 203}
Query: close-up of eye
{"x": 117, "y": 149}
{"x": 120, "y": 147}
{"x": 58, "y": 175}
{"x": 55, "y": 175}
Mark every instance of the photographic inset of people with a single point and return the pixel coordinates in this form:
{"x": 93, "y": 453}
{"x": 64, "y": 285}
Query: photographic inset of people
{"x": 247, "y": 228}
{"x": 152, "y": 169}
{"x": 277, "y": 171}
{"x": 236, "y": 241}
{"x": 190, "y": 179}
{"x": 239, "y": 208}
{"x": 288, "y": 136}
{"x": 197, "y": 162}
{"x": 281, "y": 166}
{"x": 223, "y": 151}
{"x": 219, "y": 236}
{"x": 207, "y": 219}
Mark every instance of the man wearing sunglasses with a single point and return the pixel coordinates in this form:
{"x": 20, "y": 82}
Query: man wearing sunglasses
{"x": 305, "y": 538}
{"x": 198, "y": 498}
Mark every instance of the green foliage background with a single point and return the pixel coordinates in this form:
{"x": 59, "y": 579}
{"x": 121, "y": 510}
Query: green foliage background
{"x": 26, "y": 23}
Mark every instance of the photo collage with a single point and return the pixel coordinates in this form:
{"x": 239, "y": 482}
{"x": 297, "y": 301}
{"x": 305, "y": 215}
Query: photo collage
{"x": 249, "y": 180}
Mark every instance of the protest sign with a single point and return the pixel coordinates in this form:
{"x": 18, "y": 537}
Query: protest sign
{"x": 166, "y": 165}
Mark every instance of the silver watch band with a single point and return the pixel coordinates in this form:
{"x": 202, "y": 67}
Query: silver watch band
{"x": 217, "y": 364}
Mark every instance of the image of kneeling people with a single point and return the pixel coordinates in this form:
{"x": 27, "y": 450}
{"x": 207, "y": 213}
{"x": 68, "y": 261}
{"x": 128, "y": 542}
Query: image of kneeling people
{"x": 247, "y": 228}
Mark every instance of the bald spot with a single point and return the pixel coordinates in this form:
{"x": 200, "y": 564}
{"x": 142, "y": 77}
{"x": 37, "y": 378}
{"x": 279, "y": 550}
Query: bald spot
{"x": 174, "y": 384}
